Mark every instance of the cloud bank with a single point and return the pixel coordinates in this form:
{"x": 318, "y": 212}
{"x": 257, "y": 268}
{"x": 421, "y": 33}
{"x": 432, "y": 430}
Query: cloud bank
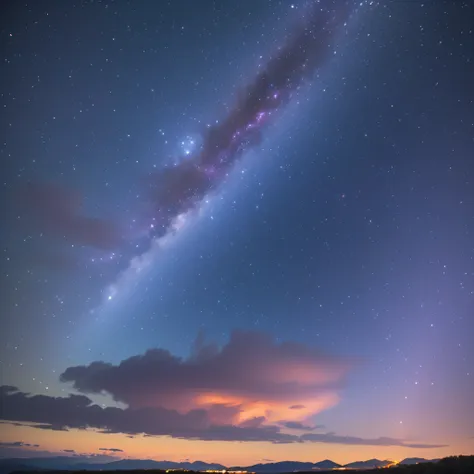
{"x": 239, "y": 392}
{"x": 79, "y": 412}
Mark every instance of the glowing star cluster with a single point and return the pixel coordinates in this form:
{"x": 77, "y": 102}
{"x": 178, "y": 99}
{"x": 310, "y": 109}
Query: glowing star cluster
{"x": 188, "y": 145}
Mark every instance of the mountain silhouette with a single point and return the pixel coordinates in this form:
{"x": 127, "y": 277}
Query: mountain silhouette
{"x": 416, "y": 461}
{"x": 83, "y": 463}
{"x": 370, "y": 464}
{"x": 276, "y": 467}
{"x": 326, "y": 464}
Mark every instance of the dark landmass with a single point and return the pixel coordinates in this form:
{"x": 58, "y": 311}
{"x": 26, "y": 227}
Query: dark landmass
{"x": 287, "y": 466}
{"x": 370, "y": 464}
{"x": 450, "y": 465}
{"x": 417, "y": 460}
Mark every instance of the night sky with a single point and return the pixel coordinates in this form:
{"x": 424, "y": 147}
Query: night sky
{"x": 237, "y": 231}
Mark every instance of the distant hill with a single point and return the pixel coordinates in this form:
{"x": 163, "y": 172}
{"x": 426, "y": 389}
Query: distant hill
{"x": 326, "y": 464}
{"x": 56, "y": 462}
{"x": 288, "y": 466}
{"x": 276, "y": 467}
{"x": 370, "y": 464}
{"x": 408, "y": 461}
{"x": 200, "y": 466}
{"x": 128, "y": 464}
{"x": 8, "y": 465}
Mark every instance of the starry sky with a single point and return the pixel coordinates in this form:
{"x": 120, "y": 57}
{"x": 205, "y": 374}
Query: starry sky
{"x": 237, "y": 231}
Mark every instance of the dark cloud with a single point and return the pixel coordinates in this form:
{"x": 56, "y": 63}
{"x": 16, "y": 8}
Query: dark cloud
{"x": 297, "y": 407}
{"x": 113, "y": 450}
{"x": 176, "y": 189}
{"x": 269, "y": 433}
{"x": 354, "y": 440}
{"x": 296, "y": 425}
{"x": 78, "y": 411}
{"x": 59, "y": 212}
{"x": 51, "y": 427}
{"x": 253, "y": 422}
{"x": 14, "y": 450}
{"x": 13, "y": 424}
{"x": 18, "y": 444}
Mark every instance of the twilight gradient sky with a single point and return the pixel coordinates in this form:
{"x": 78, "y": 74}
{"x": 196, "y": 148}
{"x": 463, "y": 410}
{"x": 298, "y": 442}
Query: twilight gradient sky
{"x": 237, "y": 231}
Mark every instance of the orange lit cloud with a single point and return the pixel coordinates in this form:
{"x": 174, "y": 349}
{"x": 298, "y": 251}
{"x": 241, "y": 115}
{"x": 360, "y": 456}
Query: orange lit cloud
{"x": 272, "y": 410}
{"x": 250, "y": 377}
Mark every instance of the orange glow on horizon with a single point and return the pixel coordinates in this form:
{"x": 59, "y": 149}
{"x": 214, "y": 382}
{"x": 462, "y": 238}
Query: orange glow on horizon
{"x": 225, "y": 452}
